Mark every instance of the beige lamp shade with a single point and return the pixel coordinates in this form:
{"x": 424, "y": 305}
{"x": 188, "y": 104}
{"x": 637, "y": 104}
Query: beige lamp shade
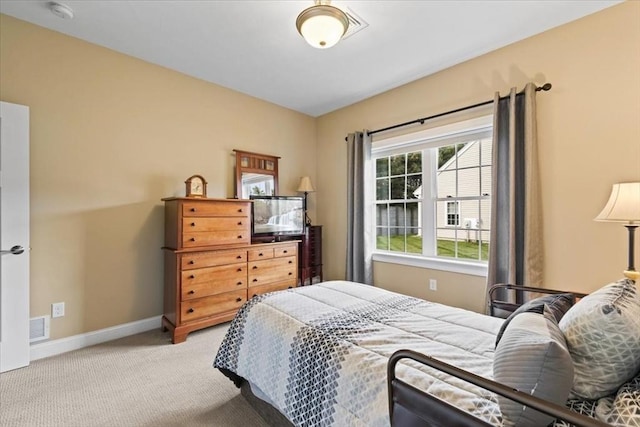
{"x": 623, "y": 204}
{"x": 305, "y": 185}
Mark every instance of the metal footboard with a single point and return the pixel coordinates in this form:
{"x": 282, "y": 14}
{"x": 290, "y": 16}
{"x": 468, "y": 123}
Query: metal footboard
{"x": 411, "y": 407}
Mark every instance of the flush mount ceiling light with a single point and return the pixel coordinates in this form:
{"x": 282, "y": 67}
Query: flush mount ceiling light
{"x": 322, "y": 25}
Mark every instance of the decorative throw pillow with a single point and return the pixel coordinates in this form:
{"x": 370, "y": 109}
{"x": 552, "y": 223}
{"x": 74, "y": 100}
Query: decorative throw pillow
{"x": 582, "y": 407}
{"x": 623, "y": 410}
{"x": 532, "y": 357}
{"x": 603, "y": 334}
{"x": 558, "y": 305}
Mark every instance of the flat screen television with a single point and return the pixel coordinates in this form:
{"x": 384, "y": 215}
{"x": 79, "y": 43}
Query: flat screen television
{"x": 277, "y": 215}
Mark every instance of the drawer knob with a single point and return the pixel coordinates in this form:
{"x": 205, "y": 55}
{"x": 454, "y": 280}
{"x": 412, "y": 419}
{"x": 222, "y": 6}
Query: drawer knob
{"x": 191, "y": 292}
{"x": 239, "y": 222}
{"x": 193, "y": 209}
{"x": 284, "y": 252}
{"x": 240, "y": 210}
{"x": 255, "y": 267}
{"x": 239, "y": 270}
{"x": 239, "y": 257}
{"x": 290, "y": 287}
{"x": 254, "y": 295}
{"x": 290, "y": 262}
{"x": 193, "y": 224}
{"x": 255, "y": 280}
{"x": 290, "y": 273}
{"x": 239, "y": 283}
{"x": 193, "y": 239}
{"x": 192, "y": 277}
{"x": 260, "y": 254}
{"x": 192, "y": 262}
{"x": 238, "y": 299}
{"x": 191, "y": 310}
{"x": 239, "y": 237}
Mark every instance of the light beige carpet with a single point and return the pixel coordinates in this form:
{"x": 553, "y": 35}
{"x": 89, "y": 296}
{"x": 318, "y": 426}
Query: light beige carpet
{"x": 141, "y": 380}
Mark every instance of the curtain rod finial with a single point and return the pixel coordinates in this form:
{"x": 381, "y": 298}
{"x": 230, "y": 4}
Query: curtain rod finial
{"x": 545, "y": 87}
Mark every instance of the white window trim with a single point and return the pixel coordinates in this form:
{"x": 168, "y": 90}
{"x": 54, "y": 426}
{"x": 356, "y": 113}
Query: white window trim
{"x": 472, "y": 268}
{"x": 439, "y": 136}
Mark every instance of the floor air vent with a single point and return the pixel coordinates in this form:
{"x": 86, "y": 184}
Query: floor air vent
{"x": 39, "y": 328}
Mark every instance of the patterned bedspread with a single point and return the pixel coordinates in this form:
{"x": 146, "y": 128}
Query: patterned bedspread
{"x": 319, "y": 353}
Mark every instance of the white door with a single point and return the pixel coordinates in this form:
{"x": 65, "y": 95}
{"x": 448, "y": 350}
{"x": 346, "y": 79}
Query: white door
{"x": 14, "y": 236}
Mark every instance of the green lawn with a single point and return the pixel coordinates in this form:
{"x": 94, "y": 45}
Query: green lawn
{"x": 467, "y": 250}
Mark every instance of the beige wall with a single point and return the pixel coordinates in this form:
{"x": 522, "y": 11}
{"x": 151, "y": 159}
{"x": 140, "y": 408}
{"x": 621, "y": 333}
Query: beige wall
{"x": 110, "y": 136}
{"x": 589, "y": 138}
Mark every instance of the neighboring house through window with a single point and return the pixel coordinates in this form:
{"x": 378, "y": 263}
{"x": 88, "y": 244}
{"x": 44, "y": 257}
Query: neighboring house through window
{"x": 432, "y": 197}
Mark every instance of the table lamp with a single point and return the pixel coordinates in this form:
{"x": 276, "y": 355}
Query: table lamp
{"x": 306, "y": 187}
{"x": 624, "y": 206}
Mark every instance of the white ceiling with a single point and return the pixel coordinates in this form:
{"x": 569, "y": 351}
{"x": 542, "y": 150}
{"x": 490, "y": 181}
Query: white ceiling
{"x": 252, "y": 46}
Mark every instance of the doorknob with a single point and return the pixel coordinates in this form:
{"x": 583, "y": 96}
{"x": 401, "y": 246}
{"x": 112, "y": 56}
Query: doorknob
{"x": 16, "y": 250}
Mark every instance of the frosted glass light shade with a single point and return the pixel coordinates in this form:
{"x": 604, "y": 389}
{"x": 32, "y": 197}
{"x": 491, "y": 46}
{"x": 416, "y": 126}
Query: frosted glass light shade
{"x": 623, "y": 204}
{"x": 322, "y": 26}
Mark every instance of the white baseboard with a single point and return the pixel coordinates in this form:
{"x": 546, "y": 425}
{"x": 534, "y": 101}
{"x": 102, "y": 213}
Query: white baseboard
{"x": 63, "y": 345}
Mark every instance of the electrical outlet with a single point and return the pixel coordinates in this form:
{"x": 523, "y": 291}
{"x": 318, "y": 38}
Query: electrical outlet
{"x": 57, "y": 309}
{"x": 433, "y": 284}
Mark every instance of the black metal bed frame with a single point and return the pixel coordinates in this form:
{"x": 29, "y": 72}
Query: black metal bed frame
{"x": 411, "y": 407}
{"x": 509, "y": 306}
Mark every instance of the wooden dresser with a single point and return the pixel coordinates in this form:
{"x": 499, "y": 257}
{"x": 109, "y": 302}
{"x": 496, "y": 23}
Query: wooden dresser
{"x": 311, "y": 254}
{"x": 210, "y": 265}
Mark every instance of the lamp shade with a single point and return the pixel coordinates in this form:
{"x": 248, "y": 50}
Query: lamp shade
{"x": 623, "y": 204}
{"x": 305, "y": 185}
{"x": 322, "y": 26}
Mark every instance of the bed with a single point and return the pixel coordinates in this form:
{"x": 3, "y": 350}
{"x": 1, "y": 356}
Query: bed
{"x": 319, "y": 354}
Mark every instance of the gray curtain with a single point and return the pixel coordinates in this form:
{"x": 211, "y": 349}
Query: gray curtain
{"x": 515, "y": 254}
{"x": 359, "y": 266}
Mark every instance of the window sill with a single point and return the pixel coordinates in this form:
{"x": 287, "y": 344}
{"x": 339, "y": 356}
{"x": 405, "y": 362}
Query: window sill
{"x": 473, "y": 268}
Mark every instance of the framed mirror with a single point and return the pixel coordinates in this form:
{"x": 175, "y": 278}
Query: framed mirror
{"x": 256, "y": 174}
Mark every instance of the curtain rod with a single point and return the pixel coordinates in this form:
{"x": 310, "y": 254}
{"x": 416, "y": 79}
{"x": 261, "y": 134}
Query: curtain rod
{"x": 545, "y": 87}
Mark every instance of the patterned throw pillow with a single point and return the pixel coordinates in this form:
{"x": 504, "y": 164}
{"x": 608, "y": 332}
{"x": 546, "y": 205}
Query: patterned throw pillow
{"x": 532, "y": 357}
{"x": 624, "y": 409}
{"x": 603, "y": 334}
{"x": 582, "y": 407}
{"x": 558, "y": 304}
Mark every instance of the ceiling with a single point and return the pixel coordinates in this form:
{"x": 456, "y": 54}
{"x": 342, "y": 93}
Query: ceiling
{"x": 253, "y": 46}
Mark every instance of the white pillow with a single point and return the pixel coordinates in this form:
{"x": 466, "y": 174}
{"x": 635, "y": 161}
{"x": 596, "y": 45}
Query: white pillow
{"x": 603, "y": 335}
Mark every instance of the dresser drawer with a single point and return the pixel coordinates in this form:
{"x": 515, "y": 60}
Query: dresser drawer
{"x": 210, "y": 238}
{"x": 202, "y": 208}
{"x": 287, "y": 250}
{"x": 259, "y": 290}
{"x": 258, "y": 254}
{"x": 198, "y": 224}
{"x": 211, "y": 259}
{"x": 216, "y": 304}
{"x": 272, "y": 270}
{"x": 213, "y": 280}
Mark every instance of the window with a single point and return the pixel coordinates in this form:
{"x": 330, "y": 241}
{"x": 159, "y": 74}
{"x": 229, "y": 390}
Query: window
{"x": 453, "y": 213}
{"x": 432, "y": 194}
{"x": 398, "y": 186}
